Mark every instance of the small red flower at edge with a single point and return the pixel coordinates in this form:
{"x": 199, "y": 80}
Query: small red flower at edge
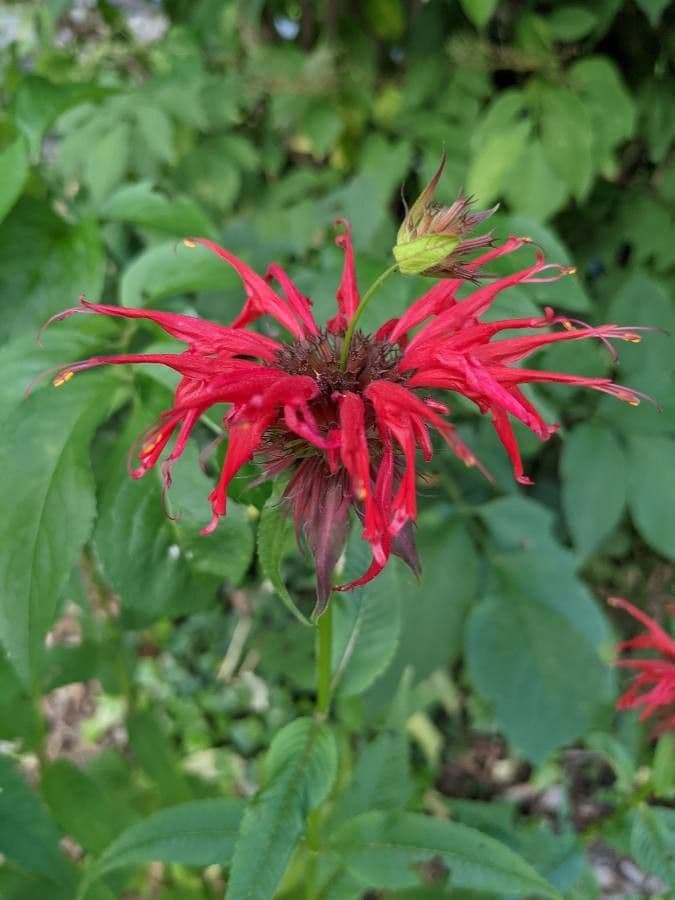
{"x": 653, "y": 688}
{"x": 348, "y": 435}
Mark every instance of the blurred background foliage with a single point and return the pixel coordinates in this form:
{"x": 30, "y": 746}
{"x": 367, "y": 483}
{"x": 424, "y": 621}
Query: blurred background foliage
{"x": 482, "y": 695}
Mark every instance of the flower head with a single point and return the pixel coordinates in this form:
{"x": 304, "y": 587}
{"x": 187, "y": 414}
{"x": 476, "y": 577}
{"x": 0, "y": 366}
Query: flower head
{"x": 653, "y": 688}
{"x": 346, "y": 434}
{"x": 433, "y": 239}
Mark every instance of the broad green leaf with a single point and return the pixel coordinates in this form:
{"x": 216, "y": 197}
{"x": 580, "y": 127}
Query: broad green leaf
{"x": 594, "y": 485}
{"x": 612, "y": 110}
{"x": 534, "y": 189}
{"x": 366, "y": 624}
{"x": 571, "y": 23}
{"x": 107, "y": 162}
{"x": 275, "y": 541}
{"x": 494, "y": 161}
{"x": 479, "y": 11}
{"x": 568, "y": 293}
{"x": 46, "y": 480}
{"x": 19, "y": 718}
{"x": 169, "y": 269}
{"x": 13, "y": 174}
{"x": 28, "y": 836}
{"x": 82, "y": 808}
{"x": 523, "y": 656}
{"x": 300, "y": 769}
{"x": 187, "y": 567}
{"x": 199, "y": 833}
{"x": 651, "y": 492}
{"x": 432, "y": 611}
{"x": 567, "y": 139}
{"x": 387, "y": 851}
{"x": 45, "y": 265}
{"x": 141, "y": 205}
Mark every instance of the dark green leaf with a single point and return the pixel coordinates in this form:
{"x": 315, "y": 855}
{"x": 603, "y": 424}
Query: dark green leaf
{"x": 651, "y": 493}
{"x": 479, "y": 11}
{"x": 152, "y": 748}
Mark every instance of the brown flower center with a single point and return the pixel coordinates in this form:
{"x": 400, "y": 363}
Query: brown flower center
{"x": 319, "y": 358}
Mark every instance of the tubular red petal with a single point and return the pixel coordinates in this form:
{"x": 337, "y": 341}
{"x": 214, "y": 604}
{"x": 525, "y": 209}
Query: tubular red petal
{"x": 299, "y": 303}
{"x": 348, "y": 292}
{"x": 261, "y": 299}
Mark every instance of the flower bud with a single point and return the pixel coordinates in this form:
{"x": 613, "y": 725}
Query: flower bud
{"x": 433, "y": 239}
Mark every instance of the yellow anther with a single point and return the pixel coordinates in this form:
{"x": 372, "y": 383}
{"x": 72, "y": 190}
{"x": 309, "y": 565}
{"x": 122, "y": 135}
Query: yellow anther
{"x": 633, "y": 402}
{"x": 189, "y": 243}
{"x": 361, "y": 493}
{"x": 632, "y": 338}
{"x": 62, "y": 379}
{"x": 567, "y": 325}
{"x": 149, "y": 446}
{"x": 571, "y": 270}
{"x": 470, "y": 461}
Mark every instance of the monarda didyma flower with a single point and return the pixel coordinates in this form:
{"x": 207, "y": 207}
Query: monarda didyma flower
{"x": 653, "y": 688}
{"x": 343, "y": 413}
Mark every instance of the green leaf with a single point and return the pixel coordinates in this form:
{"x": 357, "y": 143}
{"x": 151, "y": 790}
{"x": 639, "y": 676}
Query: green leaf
{"x": 571, "y": 23}
{"x": 275, "y": 540}
{"x": 388, "y": 850}
{"x": 28, "y": 836}
{"x": 568, "y": 292}
{"x": 594, "y": 485}
{"x": 366, "y": 625}
{"x": 82, "y": 808}
{"x": 107, "y": 162}
{"x": 651, "y": 492}
{"x": 653, "y": 9}
{"x": 151, "y": 745}
{"x": 652, "y": 841}
{"x": 434, "y": 610}
{"x": 479, "y": 11}
{"x": 141, "y": 205}
{"x": 38, "y": 102}
{"x": 187, "y": 567}
{"x": 300, "y": 769}
{"x": 19, "y": 717}
{"x": 70, "y": 263}
{"x": 567, "y": 139}
{"x": 13, "y": 174}
{"x": 523, "y": 656}
{"x": 493, "y": 162}
{"x": 200, "y": 833}
{"x": 599, "y": 85}
{"x": 380, "y": 780}
{"x": 46, "y": 480}
{"x": 169, "y": 269}
{"x": 534, "y": 189}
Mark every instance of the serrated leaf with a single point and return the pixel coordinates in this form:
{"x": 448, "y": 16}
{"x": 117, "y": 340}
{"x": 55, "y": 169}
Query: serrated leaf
{"x": 107, "y": 162}
{"x": 300, "y": 769}
{"x": 594, "y": 485}
{"x": 494, "y": 161}
{"x": 275, "y": 540}
{"x": 652, "y": 842}
{"x": 199, "y": 833}
{"x": 534, "y": 188}
{"x": 651, "y": 493}
{"x": 567, "y": 139}
{"x": 45, "y": 478}
{"x": 387, "y": 851}
{"x": 13, "y": 174}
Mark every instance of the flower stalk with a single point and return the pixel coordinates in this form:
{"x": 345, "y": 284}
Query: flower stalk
{"x": 324, "y": 646}
{"x": 367, "y": 297}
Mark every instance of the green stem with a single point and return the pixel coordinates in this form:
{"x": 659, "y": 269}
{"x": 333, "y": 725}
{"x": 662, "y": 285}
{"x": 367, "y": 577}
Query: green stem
{"x": 360, "y": 310}
{"x": 324, "y": 641}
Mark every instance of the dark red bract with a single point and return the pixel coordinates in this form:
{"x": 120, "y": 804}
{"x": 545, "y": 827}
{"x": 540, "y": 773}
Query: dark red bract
{"x": 348, "y": 436}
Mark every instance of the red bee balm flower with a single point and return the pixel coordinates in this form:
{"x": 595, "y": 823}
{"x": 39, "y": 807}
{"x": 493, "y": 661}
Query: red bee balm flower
{"x": 343, "y": 412}
{"x": 653, "y": 688}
